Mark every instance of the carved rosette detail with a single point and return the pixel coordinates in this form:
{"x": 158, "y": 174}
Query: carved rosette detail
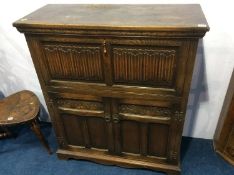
{"x": 145, "y": 110}
{"x": 179, "y": 116}
{"x": 107, "y": 117}
{"x": 173, "y": 155}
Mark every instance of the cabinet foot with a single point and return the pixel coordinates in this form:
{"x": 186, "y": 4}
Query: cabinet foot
{"x": 62, "y": 156}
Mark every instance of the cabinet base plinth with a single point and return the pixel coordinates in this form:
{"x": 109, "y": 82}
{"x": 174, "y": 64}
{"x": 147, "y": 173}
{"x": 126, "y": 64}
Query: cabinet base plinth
{"x": 108, "y": 159}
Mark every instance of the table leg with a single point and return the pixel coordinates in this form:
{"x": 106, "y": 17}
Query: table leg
{"x": 36, "y": 129}
{"x": 5, "y": 132}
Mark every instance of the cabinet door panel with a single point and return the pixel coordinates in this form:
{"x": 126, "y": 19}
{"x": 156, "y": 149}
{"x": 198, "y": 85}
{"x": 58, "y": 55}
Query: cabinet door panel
{"x": 73, "y": 124}
{"x": 71, "y": 59}
{"x": 89, "y": 132}
{"x": 143, "y": 65}
{"x": 84, "y": 121}
{"x": 97, "y": 129}
{"x": 157, "y": 139}
{"x": 149, "y": 63}
{"x": 130, "y": 136}
{"x": 143, "y": 129}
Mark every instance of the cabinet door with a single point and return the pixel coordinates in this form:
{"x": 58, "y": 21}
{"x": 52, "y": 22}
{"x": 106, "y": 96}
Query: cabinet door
{"x": 149, "y": 63}
{"x": 86, "y": 121}
{"x": 67, "y": 59}
{"x": 141, "y": 127}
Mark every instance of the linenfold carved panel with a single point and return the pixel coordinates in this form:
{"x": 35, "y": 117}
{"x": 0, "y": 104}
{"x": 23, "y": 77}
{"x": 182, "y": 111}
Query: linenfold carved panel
{"x": 151, "y": 66}
{"x": 75, "y": 62}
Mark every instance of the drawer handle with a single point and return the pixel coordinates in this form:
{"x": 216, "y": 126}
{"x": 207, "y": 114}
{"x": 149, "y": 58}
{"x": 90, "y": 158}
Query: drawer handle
{"x": 116, "y": 118}
{"x": 104, "y": 47}
{"x": 107, "y": 117}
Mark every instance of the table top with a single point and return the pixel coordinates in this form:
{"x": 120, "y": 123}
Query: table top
{"x": 20, "y": 107}
{"x": 106, "y": 16}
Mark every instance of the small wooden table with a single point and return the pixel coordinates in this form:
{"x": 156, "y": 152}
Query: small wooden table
{"x": 19, "y": 108}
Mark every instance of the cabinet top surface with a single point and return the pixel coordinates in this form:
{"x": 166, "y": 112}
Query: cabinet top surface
{"x": 107, "y": 16}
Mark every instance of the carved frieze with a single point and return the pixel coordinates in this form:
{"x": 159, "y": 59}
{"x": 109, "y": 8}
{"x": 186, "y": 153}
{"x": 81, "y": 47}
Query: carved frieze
{"x": 78, "y": 104}
{"x": 145, "y": 110}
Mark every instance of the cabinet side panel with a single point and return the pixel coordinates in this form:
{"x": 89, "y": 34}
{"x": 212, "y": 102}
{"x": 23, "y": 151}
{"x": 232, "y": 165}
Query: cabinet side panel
{"x": 34, "y": 47}
{"x": 229, "y": 148}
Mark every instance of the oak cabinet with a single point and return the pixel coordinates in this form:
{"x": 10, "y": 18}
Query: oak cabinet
{"x": 116, "y": 85}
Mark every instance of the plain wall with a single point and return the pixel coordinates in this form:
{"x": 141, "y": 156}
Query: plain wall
{"x": 212, "y": 72}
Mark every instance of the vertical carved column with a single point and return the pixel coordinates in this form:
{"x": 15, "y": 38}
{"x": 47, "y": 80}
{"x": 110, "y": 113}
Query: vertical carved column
{"x": 117, "y": 133}
{"x": 175, "y": 136}
{"x": 57, "y": 123}
{"x": 107, "y": 63}
{"x": 116, "y": 125}
{"x": 107, "y": 115}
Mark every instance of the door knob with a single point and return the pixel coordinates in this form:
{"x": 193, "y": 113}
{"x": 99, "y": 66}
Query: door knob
{"x": 107, "y": 117}
{"x": 115, "y": 118}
